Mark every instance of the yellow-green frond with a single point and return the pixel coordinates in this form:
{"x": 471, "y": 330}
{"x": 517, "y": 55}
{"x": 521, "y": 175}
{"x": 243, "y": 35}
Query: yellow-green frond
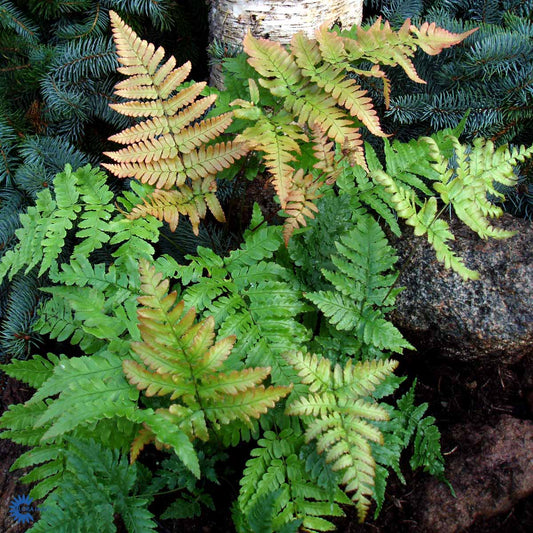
{"x": 271, "y": 60}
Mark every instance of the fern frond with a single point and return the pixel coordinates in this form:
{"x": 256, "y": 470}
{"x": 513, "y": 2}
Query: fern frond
{"x": 97, "y": 478}
{"x": 363, "y": 284}
{"x": 181, "y": 359}
{"x": 300, "y": 202}
{"x": 278, "y": 140}
{"x": 310, "y": 81}
{"x": 33, "y": 371}
{"x": 466, "y": 182}
{"x": 191, "y": 201}
{"x": 173, "y": 150}
{"x": 425, "y": 221}
{"x": 333, "y": 80}
{"x": 324, "y": 152}
{"x": 271, "y": 60}
{"x": 433, "y": 39}
{"x": 99, "y": 386}
{"x": 336, "y": 418}
{"x": 276, "y": 476}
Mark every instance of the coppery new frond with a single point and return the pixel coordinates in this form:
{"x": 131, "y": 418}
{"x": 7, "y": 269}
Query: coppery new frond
{"x": 174, "y": 149}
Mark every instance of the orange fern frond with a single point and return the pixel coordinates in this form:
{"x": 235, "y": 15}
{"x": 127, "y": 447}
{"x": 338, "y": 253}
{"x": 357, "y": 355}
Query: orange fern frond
{"x": 324, "y": 151}
{"x": 433, "y": 39}
{"x": 164, "y": 174}
{"x": 179, "y": 357}
{"x": 144, "y": 436}
{"x": 190, "y": 201}
{"x": 213, "y": 158}
{"x": 174, "y": 147}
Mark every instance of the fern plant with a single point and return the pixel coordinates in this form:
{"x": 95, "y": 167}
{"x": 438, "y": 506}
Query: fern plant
{"x": 313, "y": 93}
{"x": 178, "y": 358}
{"x": 339, "y": 416}
{"x": 288, "y": 346}
{"x": 99, "y": 479}
{"x": 463, "y": 177}
{"x": 94, "y": 306}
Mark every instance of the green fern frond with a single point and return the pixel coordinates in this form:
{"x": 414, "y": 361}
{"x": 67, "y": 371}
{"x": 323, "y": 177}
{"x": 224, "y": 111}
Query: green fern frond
{"x": 82, "y": 202}
{"x": 99, "y": 385}
{"x": 425, "y": 221}
{"x": 33, "y": 372}
{"x": 261, "y": 242}
{"x": 97, "y": 478}
{"x": 363, "y": 287}
{"x": 337, "y": 416}
{"x": 19, "y": 420}
{"x": 275, "y": 468}
{"x": 466, "y": 182}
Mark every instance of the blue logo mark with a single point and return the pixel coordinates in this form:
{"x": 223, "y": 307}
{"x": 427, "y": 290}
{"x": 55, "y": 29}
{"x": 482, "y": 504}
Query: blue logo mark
{"x": 21, "y": 509}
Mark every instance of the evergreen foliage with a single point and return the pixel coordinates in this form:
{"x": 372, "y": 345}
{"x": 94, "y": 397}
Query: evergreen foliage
{"x": 489, "y": 76}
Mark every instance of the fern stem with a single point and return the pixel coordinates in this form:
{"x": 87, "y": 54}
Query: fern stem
{"x": 175, "y": 244}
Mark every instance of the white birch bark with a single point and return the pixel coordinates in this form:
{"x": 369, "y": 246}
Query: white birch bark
{"x": 277, "y": 20}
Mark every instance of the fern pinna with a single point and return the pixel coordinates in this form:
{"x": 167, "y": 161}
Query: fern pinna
{"x": 314, "y": 89}
{"x": 172, "y": 150}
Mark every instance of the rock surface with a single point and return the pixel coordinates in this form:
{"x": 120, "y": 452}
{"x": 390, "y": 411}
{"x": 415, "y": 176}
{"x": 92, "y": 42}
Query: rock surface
{"x": 488, "y": 318}
{"x": 490, "y": 471}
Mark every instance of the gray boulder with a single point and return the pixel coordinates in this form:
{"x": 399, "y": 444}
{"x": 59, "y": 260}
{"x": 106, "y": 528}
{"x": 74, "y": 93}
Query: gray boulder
{"x": 488, "y": 318}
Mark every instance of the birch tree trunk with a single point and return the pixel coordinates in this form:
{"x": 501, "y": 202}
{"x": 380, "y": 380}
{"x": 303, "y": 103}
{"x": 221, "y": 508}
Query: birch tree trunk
{"x": 277, "y": 20}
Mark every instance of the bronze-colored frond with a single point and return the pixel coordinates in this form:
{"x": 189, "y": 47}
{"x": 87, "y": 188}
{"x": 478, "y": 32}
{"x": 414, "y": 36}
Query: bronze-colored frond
{"x": 174, "y": 149}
